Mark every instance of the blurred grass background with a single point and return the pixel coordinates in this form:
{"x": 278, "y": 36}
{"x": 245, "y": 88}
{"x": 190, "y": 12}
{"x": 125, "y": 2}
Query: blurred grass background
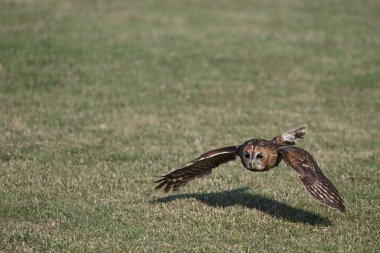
{"x": 100, "y": 97}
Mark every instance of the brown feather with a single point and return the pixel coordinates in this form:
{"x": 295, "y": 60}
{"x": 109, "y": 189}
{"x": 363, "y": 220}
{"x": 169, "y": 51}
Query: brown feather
{"x": 197, "y": 168}
{"x": 317, "y": 184}
{"x": 290, "y": 137}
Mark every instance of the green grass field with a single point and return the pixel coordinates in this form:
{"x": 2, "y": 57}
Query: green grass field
{"x": 98, "y": 98}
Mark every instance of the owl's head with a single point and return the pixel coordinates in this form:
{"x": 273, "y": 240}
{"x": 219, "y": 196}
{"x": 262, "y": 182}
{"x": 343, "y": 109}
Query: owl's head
{"x": 258, "y": 157}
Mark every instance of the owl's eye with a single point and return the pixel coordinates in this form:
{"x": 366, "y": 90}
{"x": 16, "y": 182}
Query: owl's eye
{"x": 259, "y": 156}
{"x": 246, "y": 155}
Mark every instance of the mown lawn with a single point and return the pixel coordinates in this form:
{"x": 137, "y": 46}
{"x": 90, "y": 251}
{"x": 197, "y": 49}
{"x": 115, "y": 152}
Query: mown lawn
{"x": 98, "y": 98}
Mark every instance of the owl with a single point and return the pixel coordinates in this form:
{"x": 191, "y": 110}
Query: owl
{"x": 259, "y": 155}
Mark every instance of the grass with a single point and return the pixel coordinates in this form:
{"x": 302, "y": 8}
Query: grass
{"x": 98, "y": 98}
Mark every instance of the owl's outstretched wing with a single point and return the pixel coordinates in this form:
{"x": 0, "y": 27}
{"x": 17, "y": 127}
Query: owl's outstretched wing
{"x": 290, "y": 137}
{"x": 312, "y": 177}
{"x": 199, "y": 167}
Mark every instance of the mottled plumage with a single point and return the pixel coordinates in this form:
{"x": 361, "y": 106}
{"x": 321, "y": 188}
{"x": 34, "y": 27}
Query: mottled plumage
{"x": 261, "y": 155}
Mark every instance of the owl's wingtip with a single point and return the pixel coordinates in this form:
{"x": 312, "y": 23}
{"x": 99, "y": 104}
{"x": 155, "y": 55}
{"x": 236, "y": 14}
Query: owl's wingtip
{"x": 291, "y": 136}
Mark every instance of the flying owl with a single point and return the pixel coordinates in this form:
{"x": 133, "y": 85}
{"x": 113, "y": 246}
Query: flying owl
{"x": 259, "y": 155}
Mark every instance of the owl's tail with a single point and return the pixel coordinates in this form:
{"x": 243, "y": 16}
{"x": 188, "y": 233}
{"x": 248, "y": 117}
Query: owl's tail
{"x": 291, "y": 136}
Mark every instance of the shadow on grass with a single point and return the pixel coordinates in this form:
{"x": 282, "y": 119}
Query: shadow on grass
{"x": 254, "y": 201}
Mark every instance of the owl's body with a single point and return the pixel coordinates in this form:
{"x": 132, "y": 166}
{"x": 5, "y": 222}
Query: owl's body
{"x": 262, "y": 155}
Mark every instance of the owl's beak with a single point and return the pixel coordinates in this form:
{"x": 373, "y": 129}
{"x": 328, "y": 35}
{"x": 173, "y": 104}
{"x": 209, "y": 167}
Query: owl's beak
{"x": 253, "y": 164}
{"x": 250, "y": 166}
{"x": 255, "y": 168}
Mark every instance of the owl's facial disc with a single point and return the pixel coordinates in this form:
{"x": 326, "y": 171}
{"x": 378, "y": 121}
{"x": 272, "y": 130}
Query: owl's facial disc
{"x": 254, "y": 158}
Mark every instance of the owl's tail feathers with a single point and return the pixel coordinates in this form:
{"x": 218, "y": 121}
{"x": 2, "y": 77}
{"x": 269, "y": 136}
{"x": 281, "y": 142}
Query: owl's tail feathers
{"x": 291, "y": 136}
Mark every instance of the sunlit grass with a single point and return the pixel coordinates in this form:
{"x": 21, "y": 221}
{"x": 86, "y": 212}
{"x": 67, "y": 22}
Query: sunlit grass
{"x": 98, "y": 98}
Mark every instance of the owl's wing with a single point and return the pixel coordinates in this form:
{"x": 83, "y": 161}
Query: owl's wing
{"x": 199, "y": 167}
{"x": 290, "y": 137}
{"x": 312, "y": 177}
